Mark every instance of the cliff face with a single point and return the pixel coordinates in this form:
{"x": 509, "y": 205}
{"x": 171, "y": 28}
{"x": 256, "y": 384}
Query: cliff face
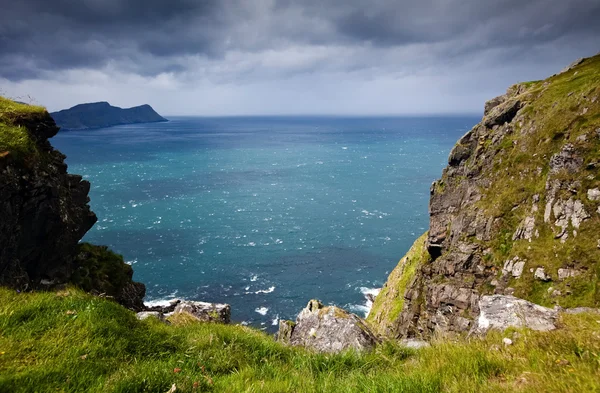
{"x": 517, "y": 211}
{"x": 102, "y": 114}
{"x": 44, "y": 212}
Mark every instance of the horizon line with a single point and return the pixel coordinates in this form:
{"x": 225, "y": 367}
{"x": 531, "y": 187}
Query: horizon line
{"x": 472, "y": 114}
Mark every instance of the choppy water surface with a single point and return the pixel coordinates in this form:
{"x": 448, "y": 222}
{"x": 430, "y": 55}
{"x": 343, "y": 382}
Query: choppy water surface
{"x": 263, "y": 213}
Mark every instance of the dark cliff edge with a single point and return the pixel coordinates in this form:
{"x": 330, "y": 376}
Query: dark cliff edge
{"x": 516, "y": 212}
{"x": 44, "y": 214}
{"x": 102, "y": 114}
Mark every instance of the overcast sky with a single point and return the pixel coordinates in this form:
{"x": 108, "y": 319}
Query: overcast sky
{"x": 234, "y": 57}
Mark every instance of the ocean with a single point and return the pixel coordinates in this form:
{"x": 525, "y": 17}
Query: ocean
{"x": 263, "y": 213}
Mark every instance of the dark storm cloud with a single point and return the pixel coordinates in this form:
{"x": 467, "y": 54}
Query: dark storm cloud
{"x": 148, "y": 37}
{"x": 42, "y": 35}
{"x": 477, "y": 24}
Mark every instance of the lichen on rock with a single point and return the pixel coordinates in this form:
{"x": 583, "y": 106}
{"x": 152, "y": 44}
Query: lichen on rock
{"x": 327, "y": 329}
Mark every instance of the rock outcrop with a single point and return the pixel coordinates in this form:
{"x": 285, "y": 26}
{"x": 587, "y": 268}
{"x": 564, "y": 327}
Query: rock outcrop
{"x": 205, "y": 312}
{"x": 327, "y": 329}
{"x": 516, "y": 212}
{"x": 502, "y": 312}
{"x": 44, "y": 214}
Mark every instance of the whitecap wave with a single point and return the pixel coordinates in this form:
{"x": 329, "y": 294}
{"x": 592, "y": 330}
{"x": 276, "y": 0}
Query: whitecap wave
{"x": 262, "y": 310}
{"x": 370, "y": 294}
{"x": 162, "y": 302}
{"x": 271, "y": 289}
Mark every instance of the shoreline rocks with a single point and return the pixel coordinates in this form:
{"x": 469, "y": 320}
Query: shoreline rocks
{"x": 202, "y": 311}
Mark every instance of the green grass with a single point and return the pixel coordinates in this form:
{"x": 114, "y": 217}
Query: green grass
{"x": 389, "y": 303}
{"x": 69, "y": 341}
{"x": 13, "y": 138}
{"x": 552, "y": 117}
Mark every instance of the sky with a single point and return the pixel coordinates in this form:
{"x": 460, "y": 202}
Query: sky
{"x": 274, "y": 57}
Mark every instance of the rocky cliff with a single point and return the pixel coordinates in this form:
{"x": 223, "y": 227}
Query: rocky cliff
{"x": 44, "y": 214}
{"x": 516, "y": 212}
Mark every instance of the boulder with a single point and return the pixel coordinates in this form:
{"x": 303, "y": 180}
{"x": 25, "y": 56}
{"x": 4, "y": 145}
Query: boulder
{"x": 148, "y": 314}
{"x": 540, "y": 274}
{"x": 501, "y": 312}
{"x": 563, "y": 274}
{"x": 593, "y": 194}
{"x": 205, "y": 312}
{"x": 286, "y": 328}
{"x": 525, "y": 230}
{"x": 567, "y": 159}
{"x": 514, "y": 267}
{"x": 327, "y": 329}
{"x": 502, "y": 113}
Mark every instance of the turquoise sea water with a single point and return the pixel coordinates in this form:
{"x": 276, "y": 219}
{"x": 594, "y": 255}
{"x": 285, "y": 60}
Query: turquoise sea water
{"x": 263, "y": 213}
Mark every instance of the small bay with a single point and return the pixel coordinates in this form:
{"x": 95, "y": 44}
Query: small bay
{"x": 263, "y": 213}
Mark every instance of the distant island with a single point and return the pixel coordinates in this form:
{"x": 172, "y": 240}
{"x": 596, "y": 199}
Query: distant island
{"x": 102, "y": 114}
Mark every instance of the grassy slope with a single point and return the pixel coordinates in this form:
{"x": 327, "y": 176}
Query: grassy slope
{"x": 388, "y": 304}
{"x": 13, "y": 138}
{"x": 559, "y": 110}
{"x": 73, "y": 342}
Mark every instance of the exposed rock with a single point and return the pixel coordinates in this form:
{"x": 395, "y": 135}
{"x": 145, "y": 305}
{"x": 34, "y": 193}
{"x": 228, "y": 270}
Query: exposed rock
{"x": 494, "y": 102}
{"x": 566, "y": 273}
{"x": 286, "y": 328}
{"x": 446, "y": 294}
{"x": 525, "y": 230}
{"x": 540, "y": 274}
{"x": 501, "y": 312}
{"x": 514, "y": 267}
{"x": 478, "y": 209}
{"x": 327, "y": 329}
{"x": 572, "y": 65}
{"x": 582, "y": 310}
{"x": 44, "y": 214}
{"x": 594, "y": 194}
{"x": 502, "y": 113}
{"x": 507, "y": 341}
{"x": 567, "y": 159}
{"x": 572, "y": 211}
{"x": 205, "y": 312}
{"x": 147, "y": 314}
{"x": 554, "y": 292}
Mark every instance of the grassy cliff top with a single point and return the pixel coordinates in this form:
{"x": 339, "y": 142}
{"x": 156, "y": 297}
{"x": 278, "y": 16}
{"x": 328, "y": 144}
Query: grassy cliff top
{"x": 559, "y": 113}
{"x": 15, "y": 138}
{"x": 68, "y": 341}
